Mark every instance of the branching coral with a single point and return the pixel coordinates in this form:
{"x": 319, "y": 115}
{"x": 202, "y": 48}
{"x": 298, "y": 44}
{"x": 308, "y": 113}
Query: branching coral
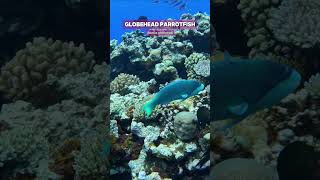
{"x": 22, "y": 77}
{"x": 284, "y": 31}
{"x": 296, "y": 22}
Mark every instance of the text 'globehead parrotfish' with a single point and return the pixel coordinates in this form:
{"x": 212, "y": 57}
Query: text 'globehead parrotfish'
{"x": 178, "y": 89}
{"x": 242, "y": 86}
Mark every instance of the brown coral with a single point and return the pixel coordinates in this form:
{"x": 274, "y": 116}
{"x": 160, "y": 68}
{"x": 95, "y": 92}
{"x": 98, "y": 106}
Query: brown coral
{"x": 23, "y": 75}
{"x": 64, "y": 159}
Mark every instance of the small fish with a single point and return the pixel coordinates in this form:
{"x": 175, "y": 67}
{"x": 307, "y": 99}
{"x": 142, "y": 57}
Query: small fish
{"x": 143, "y": 18}
{"x": 181, "y": 4}
{"x": 178, "y": 89}
{"x": 243, "y": 86}
{"x": 182, "y": 7}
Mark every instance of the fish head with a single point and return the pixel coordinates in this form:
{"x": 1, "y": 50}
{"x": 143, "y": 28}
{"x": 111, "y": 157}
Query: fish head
{"x": 286, "y": 85}
{"x": 253, "y": 85}
{"x": 197, "y": 87}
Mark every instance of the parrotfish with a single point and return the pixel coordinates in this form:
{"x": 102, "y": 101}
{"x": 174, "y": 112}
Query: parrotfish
{"x": 178, "y": 89}
{"x": 242, "y": 86}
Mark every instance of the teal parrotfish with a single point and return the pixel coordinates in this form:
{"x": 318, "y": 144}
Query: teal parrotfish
{"x": 178, "y": 89}
{"x": 243, "y": 86}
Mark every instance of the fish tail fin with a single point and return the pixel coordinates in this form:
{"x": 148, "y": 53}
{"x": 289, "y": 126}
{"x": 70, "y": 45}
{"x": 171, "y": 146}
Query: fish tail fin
{"x": 148, "y": 108}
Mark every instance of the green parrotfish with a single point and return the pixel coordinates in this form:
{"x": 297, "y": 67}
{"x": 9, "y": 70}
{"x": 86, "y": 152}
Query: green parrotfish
{"x": 241, "y": 87}
{"x": 178, "y": 89}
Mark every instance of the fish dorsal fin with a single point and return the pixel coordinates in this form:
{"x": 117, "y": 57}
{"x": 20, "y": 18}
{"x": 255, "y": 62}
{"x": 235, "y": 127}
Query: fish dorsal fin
{"x": 184, "y": 96}
{"x": 239, "y": 109}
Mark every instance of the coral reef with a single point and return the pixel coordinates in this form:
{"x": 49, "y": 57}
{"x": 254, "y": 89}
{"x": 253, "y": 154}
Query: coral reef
{"x": 296, "y": 22}
{"x": 122, "y": 82}
{"x": 90, "y": 162}
{"x": 23, "y": 76}
{"x": 21, "y": 155}
{"x": 58, "y": 134}
{"x": 283, "y": 30}
{"x": 196, "y": 69}
{"x": 149, "y": 56}
{"x": 170, "y": 142}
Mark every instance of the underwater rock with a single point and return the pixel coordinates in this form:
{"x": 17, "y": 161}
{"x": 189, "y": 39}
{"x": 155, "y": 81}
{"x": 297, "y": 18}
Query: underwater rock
{"x": 247, "y": 169}
{"x": 185, "y": 125}
{"x": 22, "y": 77}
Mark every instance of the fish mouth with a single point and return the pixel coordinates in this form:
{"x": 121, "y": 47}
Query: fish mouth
{"x": 200, "y": 88}
{"x": 295, "y": 78}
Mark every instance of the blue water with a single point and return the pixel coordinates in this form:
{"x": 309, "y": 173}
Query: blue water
{"x": 133, "y": 9}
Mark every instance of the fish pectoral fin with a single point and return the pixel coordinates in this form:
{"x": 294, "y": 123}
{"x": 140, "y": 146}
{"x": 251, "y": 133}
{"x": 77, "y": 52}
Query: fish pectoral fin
{"x": 184, "y": 96}
{"x": 239, "y": 109}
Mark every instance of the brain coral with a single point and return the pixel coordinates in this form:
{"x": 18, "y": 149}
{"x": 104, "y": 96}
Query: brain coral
{"x": 240, "y": 168}
{"x": 122, "y": 82}
{"x": 22, "y": 76}
{"x": 296, "y": 22}
{"x": 185, "y": 125}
